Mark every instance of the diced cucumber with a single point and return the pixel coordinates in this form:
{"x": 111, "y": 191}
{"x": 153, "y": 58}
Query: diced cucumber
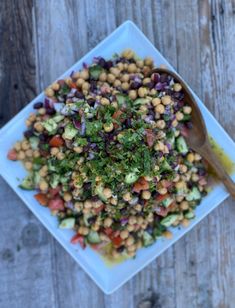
{"x": 147, "y": 239}
{"x": 189, "y": 215}
{"x": 169, "y": 220}
{"x": 140, "y": 101}
{"x": 171, "y": 138}
{"x": 58, "y": 118}
{"x": 85, "y": 219}
{"x": 70, "y": 132}
{"x": 131, "y": 177}
{"x": 27, "y": 183}
{"x": 34, "y": 141}
{"x": 67, "y": 223}
{"x": 95, "y": 71}
{"x": 194, "y": 194}
{"x": 165, "y": 166}
{"x": 54, "y": 180}
{"x": 36, "y": 178}
{"x": 93, "y": 237}
{"x": 181, "y": 145}
{"x": 121, "y": 99}
{"x": 99, "y": 191}
{"x": 50, "y": 125}
{"x": 166, "y": 202}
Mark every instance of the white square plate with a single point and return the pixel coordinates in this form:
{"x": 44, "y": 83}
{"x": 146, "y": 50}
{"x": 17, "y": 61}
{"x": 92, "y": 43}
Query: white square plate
{"x": 108, "y": 278}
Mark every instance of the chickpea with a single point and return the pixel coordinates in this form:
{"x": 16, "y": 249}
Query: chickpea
{"x": 54, "y": 151}
{"x": 84, "y": 74}
{"x": 36, "y": 153}
{"x": 107, "y": 192}
{"x": 195, "y": 177}
{"x": 166, "y": 100}
{"x": 32, "y": 117}
{"x": 132, "y": 220}
{"x": 113, "y": 201}
{"x": 143, "y": 109}
{"x": 142, "y": 92}
{"x": 148, "y": 61}
{"x": 60, "y": 156}
{"x": 108, "y": 222}
{"x": 130, "y": 227}
{"x": 185, "y": 222}
{"x": 125, "y": 78}
{"x": 140, "y": 220}
{"x": 115, "y": 71}
{"x": 43, "y": 172}
{"x": 42, "y": 111}
{"x": 133, "y": 94}
{"x": 125, "y": 86}
{"x": 80, "y": 82}
{"x": 132, "y": 68}
{"x": 131, "y": 248}
{"x": 88, "y": 204}
{"x": 161, "y": 124}
{"x": 103, "y": 77}
{"x": 111, "y": 78}
{"x": 25, "y": 145}
{"x": 38, "y": 127}
{"x": 17, "y": 146}
{"x": 179, "y": 116}
{"x": 83, "y": 230}
{"x": 153, "y": 92}
{"x": 183, "y": 168}
{"x": 28, "y": 123}
{"x": 78, "y": 149}
{"x": 124, "y": 234}
{"x": 43, "y": 185}
{"x": 125, "y": 66}
{"x": 28, "y": 165}
{"x": 156, "y": 101}
{"x": 49, "y": 92}
{"x": 128, "y": 54}
{"x": 184, "y": 205}
{"x": 20, "y": 155}
{"x": 160, "y": 109}
{"x": 138, "y": 207}
{"x": 114, "y": 104}
{"x": 159, "y": 146}
{"x": 140, "y": 63}
{"x": 146, "y": 195}
{"x": 127, "y": 196}
{"x": 130, "y": 241}
{"x": 177, "y": 87}
{"x": 167, "y": 234}
{"x": 187, "y": 109}
{"x": 180, "y": 185}
{"x": 117, "y": 83}
{"x": 76, "y": 75}
{"x": 197, "y": 157}
{"x": 190, "y": 157}
{"x": 104, "y": 101}
{"x": 68, "y": 80}
{"x": 95, "y": 227}
{"x": 120, "y": 66}
{"x": 108, "y": 127}
{"x": 146, "y": 80}
{"x": 29, "y": 153}
{"x": 179, "y": 198}
{"x": 67, "y": 197}
{"x": 176, "y": 178}
{"x": 85, "y": 86}
{"x": 162, "y": 191}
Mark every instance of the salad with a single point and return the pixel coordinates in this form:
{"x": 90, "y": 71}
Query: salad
{"x": 106, "y": 153}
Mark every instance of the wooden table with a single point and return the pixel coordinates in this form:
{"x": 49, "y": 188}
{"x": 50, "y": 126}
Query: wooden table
{"x": 38, "y": 41}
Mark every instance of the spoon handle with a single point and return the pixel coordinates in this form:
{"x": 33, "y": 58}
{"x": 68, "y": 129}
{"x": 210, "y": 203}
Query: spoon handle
{"x": 207, "y": 152}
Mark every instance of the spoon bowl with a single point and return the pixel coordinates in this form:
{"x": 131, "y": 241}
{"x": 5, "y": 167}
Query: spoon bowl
{"x": 197, "y": 136}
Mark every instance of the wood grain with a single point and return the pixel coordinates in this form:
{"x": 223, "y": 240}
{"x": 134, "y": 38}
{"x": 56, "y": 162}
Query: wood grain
{"x": 196, "y": 37}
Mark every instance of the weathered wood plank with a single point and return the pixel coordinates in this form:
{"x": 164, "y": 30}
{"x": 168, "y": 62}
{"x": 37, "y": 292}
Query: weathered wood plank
{"x": 17, "y": 68}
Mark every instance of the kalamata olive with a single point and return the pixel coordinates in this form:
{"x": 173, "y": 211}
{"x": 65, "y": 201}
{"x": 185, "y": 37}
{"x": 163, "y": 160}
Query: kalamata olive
{"x": 28, "y": 133}
{"x": 163, "y": 78}
{"x": 121, "y": 249}
{"x": 102, "y": 62}
{"x": 79, "y": 95}
{"x": 38, "y": 105}
{"x": 50, "y": 111}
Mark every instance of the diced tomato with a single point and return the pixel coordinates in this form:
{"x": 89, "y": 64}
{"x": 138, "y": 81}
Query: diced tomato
{"x": 161, "y": 211}
{"x": 150, "y": 137}
{"x": 73, "y": 85}
{"x": 54, "y": 191}
{"x": 41, "y": 198}
{"x": 184, "y": 131}
{"x": 117, "y": 116}
{"x": 12, "y": 154}
{"x": 98, "y": 209}
{"x": 56, "y": 141}
{"x": 160, "y": 198}
{"x": 202, "y": 181}
{"x": 141, "y": 184}
{"x": 108, "y": 231}
{"x": 56, "y": 204}
{"x": 77, "y": 238}
{"x": 117, "y": 241}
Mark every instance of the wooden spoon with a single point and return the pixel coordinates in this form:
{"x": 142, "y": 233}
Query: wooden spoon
{"x": 197, "y": 138}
